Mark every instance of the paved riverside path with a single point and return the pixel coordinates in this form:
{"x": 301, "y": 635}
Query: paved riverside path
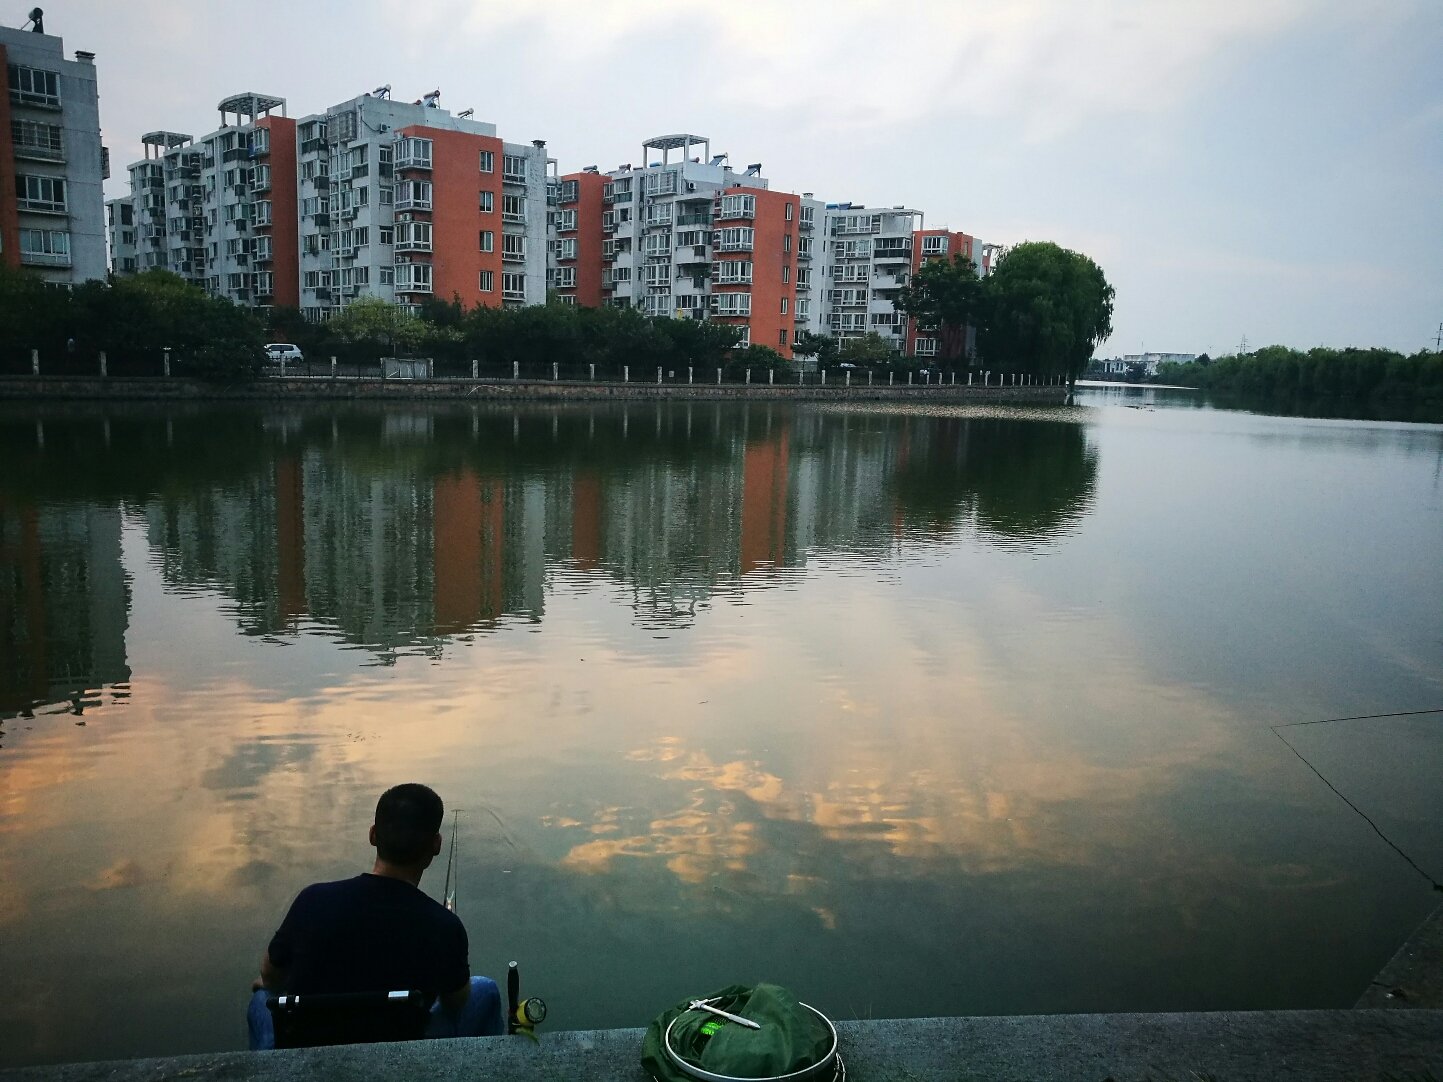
{"x": 1320, "y": 1046}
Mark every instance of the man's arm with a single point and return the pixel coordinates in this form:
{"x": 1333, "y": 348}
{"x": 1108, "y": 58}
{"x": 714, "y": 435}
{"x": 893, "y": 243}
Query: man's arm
{"x": 273, "y": 977}
{"x": 452, "y": 1002}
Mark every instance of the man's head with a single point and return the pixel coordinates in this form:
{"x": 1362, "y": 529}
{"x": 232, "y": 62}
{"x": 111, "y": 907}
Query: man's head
{"x": 408, "y": 825}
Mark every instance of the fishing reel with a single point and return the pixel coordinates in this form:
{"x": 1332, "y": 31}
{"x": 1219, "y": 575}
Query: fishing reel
{"x": 522, "y": 1015}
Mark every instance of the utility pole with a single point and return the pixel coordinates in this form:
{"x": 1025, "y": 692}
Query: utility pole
{"x": 1438, "y": 340}
{"x": 1243, "y": 348}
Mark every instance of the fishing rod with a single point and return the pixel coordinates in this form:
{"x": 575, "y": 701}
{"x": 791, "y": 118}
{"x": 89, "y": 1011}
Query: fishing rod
{"x": 1277, "y": 731}
{"x": 448, "y": 892}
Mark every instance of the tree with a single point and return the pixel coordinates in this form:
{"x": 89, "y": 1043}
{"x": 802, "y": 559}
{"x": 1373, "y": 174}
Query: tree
{"x": 1047, "y": 309}
{"x": 870, "y": 348}
{"x": 947, "y": 295}
{"x": 821, "y": 346}
{"x": 378, "y": 324}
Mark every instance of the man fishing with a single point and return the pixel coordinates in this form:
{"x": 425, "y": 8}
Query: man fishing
{"x": 379, "y": 932}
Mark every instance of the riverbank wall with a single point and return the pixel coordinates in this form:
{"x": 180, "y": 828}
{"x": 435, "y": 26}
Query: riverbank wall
{"x": 1317, "y": 1046}
{"x": 60, "y": 388}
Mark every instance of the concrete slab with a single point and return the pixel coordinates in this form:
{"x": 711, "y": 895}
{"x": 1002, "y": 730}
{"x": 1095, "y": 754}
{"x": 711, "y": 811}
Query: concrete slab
{"x": 1319, "y": 1046}
{"x": 1414, "y": 976}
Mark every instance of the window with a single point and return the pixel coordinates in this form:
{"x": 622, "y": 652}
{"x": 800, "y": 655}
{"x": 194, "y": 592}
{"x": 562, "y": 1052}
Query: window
{"x": 786, "y": 242}
{"x": 488, "y": 162}
{"x": 413, "y": 277}
{"x": 386, "y": 234}
{"x": 566, "y": 278}
{"x": 34, "y": 86}
{"x": 804, "y": 277}
{"x": 566, "y": 221}
{"x": 656, "y": 244}
{"x": 934, "y": 245}
{"x": 513, "y": 208}
{"x": 786, "y": 273}
{"x": 621, "y": 274}
{"x": 412, "y": 153}
{"x": 690, "y": 238}
{"x": 786, "y": 302}
{"x": 566, "y": 249}
{"x": 488, "y": 240}
{"x": 487, "y": 282}
{"x": 568, "y": 298}
{"x": 35, "y": 140}
{"x": 927, "y": 347}
{"x": 736, "y": 239}
{"x": 782, "y": 334}
{"x": 386, "y": 276}
{"x": 312, "y": 280}
{"x": 732, "y": 272}
{"x": 361, "y": 196}
{"x": 804, "y": 309}
{"x": 413, "y": 195}
{"x": 45, "y": 246}
{"x": 513, "y": 285}
{"x": 513, "y": 247}
{"x": 413, "y": 236}
{"x": 731, "y": 304}
{"x": 513, "y": 168}
{"x": 662, "y": 183}
{"x": 41, "y": 193}
{"x": 790, "y": 211}
{"x": 487, "y": 202}
{"x": 738, "y": 206}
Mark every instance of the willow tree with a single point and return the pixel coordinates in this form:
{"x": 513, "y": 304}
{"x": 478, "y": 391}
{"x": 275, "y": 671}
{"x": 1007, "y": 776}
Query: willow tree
{"x": 1047, "y": 309}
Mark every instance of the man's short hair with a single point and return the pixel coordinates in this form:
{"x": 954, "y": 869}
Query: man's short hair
{"x": 408, "y": 817}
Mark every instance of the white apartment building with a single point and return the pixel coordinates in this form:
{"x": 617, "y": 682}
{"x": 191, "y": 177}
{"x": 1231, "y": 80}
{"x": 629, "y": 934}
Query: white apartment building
{"x": 866, "y": 259}
{"x": 52, "y": 163}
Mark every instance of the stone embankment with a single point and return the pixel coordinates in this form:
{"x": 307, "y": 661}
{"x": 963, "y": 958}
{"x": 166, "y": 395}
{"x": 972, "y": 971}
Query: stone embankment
{"x": 316, "y": 387}
{"x": 1261, "y": 1046}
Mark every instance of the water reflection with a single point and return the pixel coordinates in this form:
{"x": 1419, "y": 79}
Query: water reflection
{"x": 396, "y": 530}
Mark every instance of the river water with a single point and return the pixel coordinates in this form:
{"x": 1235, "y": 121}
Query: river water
{"x": 916, "y": 711}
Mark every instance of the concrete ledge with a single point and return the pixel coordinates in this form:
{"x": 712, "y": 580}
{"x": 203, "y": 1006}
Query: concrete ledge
{"x": 1320, "y": 1046}
{"x": 1414, "y": 976}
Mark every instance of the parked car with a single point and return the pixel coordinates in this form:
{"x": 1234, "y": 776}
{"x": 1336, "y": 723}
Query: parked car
{"x": 283, "y": 352}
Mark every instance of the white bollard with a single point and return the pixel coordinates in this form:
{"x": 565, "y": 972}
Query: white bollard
{"x": 35, "y": 363}
{"x": 849, "y": 377}
{"x": 103, "y": 366}
{"x": 626, "y": 373}
{"x": 515, "y": 369}
{"x": 165, "y": 357}
{"x": 891, "y": 379}
{"x": 749, "y": 375}
{"x": 771, "y": 376}
{"x": 430, "y": 368}
{"x": 555, "y": 369}
{"x": 688, "y": 375}
{"x": 475, "y": 368}
{"x": 592, "y": 377}
{"x": 824, "y": 377}
{"x": 969, "y": 379}
{"x": 333, "y": 367}
{"x": 718, "y": 377}
{"x": 658, "y": 373}
{"x": 869, "y": 377}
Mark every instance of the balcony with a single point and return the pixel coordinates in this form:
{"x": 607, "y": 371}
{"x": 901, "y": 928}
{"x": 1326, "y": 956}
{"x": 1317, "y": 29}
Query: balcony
{"x": 513, "y": 257}
{"x": 414, "y": 202}
{"x": 44, "y": 259}
{"x": 896, "y": 252}
{"x": 513, "y": 294}
{"x": 36, "y": 153}
{"x": 513, "y": 217}
{"x": 35, "y": 99}
{"x": 50, "y": 206}
{"x": 733, "y": 246}
{"x": 413, "y": 157}
{"x": 692, "y": 253}
{"x": 411, "y": 244}
{"x": 508, "y": 177}
{"x": 684, "y": 220}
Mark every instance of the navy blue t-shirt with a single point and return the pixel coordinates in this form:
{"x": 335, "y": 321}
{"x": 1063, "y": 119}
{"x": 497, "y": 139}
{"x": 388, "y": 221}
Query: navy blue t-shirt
{"x": 372, "y": 933}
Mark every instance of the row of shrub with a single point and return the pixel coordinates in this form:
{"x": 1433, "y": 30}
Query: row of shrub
{"x": 1280, "y": 372}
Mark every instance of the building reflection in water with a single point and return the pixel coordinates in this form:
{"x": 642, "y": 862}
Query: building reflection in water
{"x": 64, "y": 596}
{"x": 395, "y": 530}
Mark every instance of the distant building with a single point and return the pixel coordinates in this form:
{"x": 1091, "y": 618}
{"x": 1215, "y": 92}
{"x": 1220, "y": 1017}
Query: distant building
{"x": 52, "y": 163}
{"x": 373, "y": 197}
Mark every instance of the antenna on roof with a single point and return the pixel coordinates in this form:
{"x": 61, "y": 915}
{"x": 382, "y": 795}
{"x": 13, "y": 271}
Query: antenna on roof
{"x": 37, "y": 19}
{"x": 382, "y": 91}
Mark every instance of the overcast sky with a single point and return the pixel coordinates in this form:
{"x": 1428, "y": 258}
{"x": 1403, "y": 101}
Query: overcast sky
{"x": 1268, "y": 168}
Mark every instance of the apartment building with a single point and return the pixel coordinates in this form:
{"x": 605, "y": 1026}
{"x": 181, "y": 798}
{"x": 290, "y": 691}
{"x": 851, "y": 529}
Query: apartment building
{"x": 402, "y": 200}
{"x": 52, "y": 163}
{"x": 683, "y": 235}
{"x": 866, "y": 260}
{"x": 577, "y": 236}
{"x": 373, "y": 197}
